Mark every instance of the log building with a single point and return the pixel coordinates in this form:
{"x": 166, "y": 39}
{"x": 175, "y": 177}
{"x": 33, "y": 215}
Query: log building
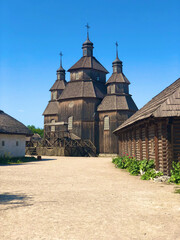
{"x": 87, "y": 106}
{"x": 153, "y": 132}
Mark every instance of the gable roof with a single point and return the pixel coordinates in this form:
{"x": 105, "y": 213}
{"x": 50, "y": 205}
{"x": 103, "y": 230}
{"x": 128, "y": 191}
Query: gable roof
{"x": 85, "y": 89}
{"x": 117, "y": 102}
{"x": 9, "y": 125}
{"x": 59, "y": 85}
{"x": 88, "y": 62}
{"x": 165, "y": 104}
{"x": 51, "y": 109}
{"x": 118, "y": 78}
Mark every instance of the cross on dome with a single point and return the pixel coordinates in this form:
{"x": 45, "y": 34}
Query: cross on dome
{"x": 87, "y": 26}
{"x": 116, "y": 49}
{"x": 61, "y": 59}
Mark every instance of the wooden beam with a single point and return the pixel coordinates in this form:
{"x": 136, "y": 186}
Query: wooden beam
{"x": 146, "y": 142}
{"x": 140, "y": 142}
{"x": 156, "y": 146}
{"x": 134, "y": 141}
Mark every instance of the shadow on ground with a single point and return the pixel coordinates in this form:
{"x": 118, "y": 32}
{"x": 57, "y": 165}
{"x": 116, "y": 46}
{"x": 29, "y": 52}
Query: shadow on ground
{"x": 9, "y": 201}
{"x": 7, "y": 198}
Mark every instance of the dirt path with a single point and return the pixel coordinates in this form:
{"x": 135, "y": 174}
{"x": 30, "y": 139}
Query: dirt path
{"x": 84, "y": 199}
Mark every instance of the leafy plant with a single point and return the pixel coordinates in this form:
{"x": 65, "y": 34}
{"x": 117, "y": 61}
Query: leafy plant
{"x": 146, "y": 165}
{"x": 175, "y": 173}
{"x": 135, "y": 167}
{"x": 151, "y": 174}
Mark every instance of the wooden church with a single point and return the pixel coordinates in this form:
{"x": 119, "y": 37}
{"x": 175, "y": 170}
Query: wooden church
{"x": 87, "y": 106}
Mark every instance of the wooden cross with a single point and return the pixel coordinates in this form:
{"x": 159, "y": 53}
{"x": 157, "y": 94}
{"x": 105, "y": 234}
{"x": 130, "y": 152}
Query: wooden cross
{"x": 61, "y": 59}
{"x": 116, "y": 49}
{"x": 87, "y": 26}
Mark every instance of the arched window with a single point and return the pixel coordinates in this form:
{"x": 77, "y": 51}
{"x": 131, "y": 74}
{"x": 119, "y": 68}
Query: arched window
{"x": 106, "y": 123}
{"x": 70, "y": 123}
{"x": 53, "y": 126}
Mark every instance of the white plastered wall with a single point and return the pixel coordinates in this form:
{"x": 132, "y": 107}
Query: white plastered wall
{"x": 10, "y": 147}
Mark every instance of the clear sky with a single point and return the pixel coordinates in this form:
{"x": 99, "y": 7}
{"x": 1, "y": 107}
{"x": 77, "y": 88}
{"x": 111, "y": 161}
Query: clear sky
{"x": 33, "y": 32}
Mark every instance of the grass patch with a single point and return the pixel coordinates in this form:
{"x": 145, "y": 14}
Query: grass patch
{"x": 16, "y": 160}
{"x": 177, "y": 190}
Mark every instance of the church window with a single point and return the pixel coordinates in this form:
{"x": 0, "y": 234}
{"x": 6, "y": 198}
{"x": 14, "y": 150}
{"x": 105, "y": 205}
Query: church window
{"x": 85, "y": 52}
{"x": 53, "y": 126}
{"x": 106, "y": 123}
{"x": 98, "y": 78}
{"x": 54, "y": 95}
{"x": 115, "y": 69}
{"x": 58, "y": 76}
{"x": 3, "y": 143}
{"x": 77, "y": 76}
{"x": 113, "y": 89}
{"x": 70, "y": 123}
{"x": 17, "y": 143}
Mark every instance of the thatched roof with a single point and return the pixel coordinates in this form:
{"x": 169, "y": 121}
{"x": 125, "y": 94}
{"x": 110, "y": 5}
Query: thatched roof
{"x": 51, "y": 109}
{"x": 9, "y": 125}
{"x": 117, "y": 102}
{"x": 88, "y": 62}
{"x": 83, "y": 89}
{"x": 59, "y": 85}
{"x": 165, "y": 104}
{"x": 118, "y": 78}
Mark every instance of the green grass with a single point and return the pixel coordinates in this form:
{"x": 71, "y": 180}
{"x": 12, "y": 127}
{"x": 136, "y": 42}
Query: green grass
{"x": 177, "y": 190}
{"x": 16, "y": 160}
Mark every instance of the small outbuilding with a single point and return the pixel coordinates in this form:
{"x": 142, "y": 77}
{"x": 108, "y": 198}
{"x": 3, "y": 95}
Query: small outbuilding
{"x": 153, "y": 132}
{"x": 12, "y": 136}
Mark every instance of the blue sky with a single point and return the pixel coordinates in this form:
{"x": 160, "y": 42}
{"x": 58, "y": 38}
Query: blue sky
{"x": 33, "y": 32}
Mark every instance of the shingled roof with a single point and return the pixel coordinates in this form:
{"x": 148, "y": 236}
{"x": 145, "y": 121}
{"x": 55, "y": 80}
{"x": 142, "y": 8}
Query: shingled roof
{"x": 117, "y": 102}
{"x": 88, "y": 62}
{"x": 86, "y": 89}
{"x": 51, "y": 109}
{"x": 165, "y": 104}
{"x": 59, "y": 85}
{"x": 9, "y": 125}
{"x": 118, "y": 78}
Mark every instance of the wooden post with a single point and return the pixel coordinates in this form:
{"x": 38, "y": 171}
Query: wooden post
{"x": 140, "y": 142}
{"x": 156, "y": 146}
{"x": 130, "y": 142}
{"x": 134, "y": 141}
{"x": 146, "y": 142}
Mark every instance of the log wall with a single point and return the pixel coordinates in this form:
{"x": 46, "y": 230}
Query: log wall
{"x": 156, "y": 139}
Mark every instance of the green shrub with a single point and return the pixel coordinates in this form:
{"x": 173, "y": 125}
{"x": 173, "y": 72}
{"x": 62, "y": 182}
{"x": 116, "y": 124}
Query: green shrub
{"x": 175, "y": 173}
{"x": 146, "y": 165}
{"x": 135, "y": 167}
{"x": 13, "y": 160}
{"x": 151, "y": 174}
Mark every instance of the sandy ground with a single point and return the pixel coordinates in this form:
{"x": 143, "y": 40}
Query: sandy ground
{"x": 69, "y": 198}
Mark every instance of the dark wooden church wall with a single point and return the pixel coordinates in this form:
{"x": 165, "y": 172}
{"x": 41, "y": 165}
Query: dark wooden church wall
{"x": 48, "y": 119}
{"x": 90, "y": 121}
{"x": 71, "y": 108}
{"x": 84, "y": 114}
{"x": 108, "y": 142}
